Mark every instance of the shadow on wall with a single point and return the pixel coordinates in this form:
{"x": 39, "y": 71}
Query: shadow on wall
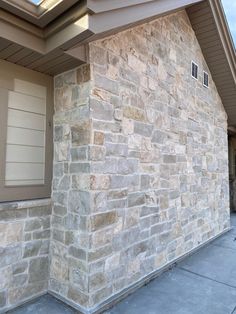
{"x": 232, "y": 171}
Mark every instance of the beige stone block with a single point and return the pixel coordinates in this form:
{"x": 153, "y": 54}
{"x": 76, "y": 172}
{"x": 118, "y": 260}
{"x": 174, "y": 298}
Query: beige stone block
{"x": 100, "y": 221}
{"x": 83, "y": 74}
{"x": 81, "y": 181}
{"x": 112, "y": 262}
{"x": 136, "y": 64}
{"x": 62, "y": 151}
{"x": 99, "y": 182}
{"x": 59, "y": 269}
{"x": 81, "y": 133}
{"x": 10, "y": 233}
{"x": 77, "y": 296}
{"x": 98, "y": 138}
{"x": 127, "y": 126}
{"x": 134, "y": 113}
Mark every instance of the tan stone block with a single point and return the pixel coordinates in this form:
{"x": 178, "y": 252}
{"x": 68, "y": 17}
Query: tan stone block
{"x": 101, "y": 238}
{"x": 97, "y": 152}
{"x": 99, "y": 182}
{"x": 136, "y": 64}
{"x": 83, "y": 74}
{"x": 100, "y": 221}
{"x": 98, "y": 138}
{"x": 98, "y": 55}
{"x": 100, "y": 253}
{"x": 77, "y": 296}
{"x": 81, "y": 133}
{"x": 101, "y": 295}
{"x": 59, "y": 269}
{"x": 81, "y": 181}
{"x": 101, "y": 94}
{"x": 97, "y": 281}
{"x": 134, "y": 113}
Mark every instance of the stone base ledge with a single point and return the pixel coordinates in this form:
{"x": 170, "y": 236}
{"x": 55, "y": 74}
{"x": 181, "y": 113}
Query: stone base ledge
{"x": 25, "y": 204}
{"x": 28, "y": 300}
{"x": 110, "y": 302}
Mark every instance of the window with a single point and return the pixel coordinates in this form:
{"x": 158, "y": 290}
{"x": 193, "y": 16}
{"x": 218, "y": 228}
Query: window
{"x": 194, "y": 70}
{"x": 205, "y": 79}
{"x": 36, "y": 2}
{"x": 26, "y": 133}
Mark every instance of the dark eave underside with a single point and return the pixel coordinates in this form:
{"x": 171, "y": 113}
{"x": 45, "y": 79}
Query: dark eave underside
{"x": 51, "y": 64}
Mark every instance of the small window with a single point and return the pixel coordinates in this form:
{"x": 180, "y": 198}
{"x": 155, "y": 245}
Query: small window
{"x": 205, "y": 79}
{"x": 194, "y": 70}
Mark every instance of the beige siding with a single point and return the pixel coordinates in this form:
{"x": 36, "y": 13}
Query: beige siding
{"x": 26, "y": 103}
{"x": 30, "y": 88}
{"x": 25, "y": 154}
{"x": 18, "y": 153}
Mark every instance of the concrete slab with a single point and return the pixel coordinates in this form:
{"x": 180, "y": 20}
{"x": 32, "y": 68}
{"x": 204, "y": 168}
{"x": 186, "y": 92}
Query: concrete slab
{"x": 228, "y": 240}
{"x": 44, "y": 305}
{"x": 179, "y": 292}
{"x": 233, "y": 219}
{"x": 214, "y": 262}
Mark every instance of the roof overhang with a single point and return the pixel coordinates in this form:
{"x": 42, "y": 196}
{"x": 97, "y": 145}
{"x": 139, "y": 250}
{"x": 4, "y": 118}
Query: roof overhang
{"x": 54, "y": 39}
{"x": 40, "y": 15}
{"x": 45, "y": 41}
{"x": 209, "y": 23}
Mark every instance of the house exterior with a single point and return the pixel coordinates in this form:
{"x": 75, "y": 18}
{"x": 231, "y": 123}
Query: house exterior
{"x": 114, "y": 143}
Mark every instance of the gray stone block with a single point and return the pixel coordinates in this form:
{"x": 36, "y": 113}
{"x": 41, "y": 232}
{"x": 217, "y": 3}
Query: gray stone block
{"x": 38, "y": 269}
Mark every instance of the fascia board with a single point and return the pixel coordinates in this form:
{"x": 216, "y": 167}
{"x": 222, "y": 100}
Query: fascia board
{"x": 107, "y": 21}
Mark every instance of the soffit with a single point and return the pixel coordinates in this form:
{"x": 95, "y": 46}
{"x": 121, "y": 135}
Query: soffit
{"x": 48, "y": 49}
{"x": 40, "y": 15}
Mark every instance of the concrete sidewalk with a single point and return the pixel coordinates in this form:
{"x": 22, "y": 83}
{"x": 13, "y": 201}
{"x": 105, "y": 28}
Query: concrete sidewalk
{"x": 204, "y": 283}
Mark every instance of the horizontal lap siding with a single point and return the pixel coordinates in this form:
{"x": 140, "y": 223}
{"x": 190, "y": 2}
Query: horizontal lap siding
{"x": 25, "y": 157}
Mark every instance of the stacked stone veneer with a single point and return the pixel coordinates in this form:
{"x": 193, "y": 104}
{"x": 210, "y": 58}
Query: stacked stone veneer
{"x": 24, "y": 248}
{"x": 140, "y": 167}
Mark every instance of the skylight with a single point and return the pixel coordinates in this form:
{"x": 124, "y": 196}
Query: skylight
{"x": 36, "y": 2}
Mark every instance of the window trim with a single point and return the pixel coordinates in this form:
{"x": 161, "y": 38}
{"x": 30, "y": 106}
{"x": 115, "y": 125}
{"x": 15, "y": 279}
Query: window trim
{"x": 9, "y": 72}
{"x": 203, "y": 81}
{"x": 196, "y": 78}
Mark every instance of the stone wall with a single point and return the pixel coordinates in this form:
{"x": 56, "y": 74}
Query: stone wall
{"x": 140, "y": 174}
{"x": 24, "y": 248}
{"x": 71, "y": 197}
